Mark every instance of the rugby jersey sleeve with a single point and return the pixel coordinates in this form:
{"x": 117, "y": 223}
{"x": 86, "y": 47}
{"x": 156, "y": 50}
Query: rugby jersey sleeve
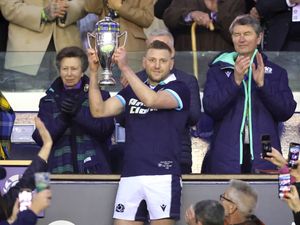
{"x": 181, "y": 93}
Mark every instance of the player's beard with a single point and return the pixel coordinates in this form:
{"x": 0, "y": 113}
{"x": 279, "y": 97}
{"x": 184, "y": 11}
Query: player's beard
{"x": 154, "y": 77}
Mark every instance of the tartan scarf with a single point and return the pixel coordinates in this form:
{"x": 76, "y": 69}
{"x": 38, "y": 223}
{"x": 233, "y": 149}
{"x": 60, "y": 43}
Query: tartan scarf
{"x": 7, "y": 118}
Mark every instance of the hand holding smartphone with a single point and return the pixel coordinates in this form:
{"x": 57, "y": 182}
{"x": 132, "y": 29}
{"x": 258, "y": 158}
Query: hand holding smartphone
{"x": 265, "y": 144}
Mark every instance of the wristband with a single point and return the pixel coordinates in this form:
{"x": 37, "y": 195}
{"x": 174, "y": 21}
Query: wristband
{"x": 44, "y": 16}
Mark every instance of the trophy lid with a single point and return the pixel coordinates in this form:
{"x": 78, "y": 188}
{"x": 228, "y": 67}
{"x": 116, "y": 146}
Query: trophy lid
{"x": 107, "y": 25}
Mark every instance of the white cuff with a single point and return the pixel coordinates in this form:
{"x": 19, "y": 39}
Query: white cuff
{"x": 188, "y": 18}
{"x": 290, "y": 4}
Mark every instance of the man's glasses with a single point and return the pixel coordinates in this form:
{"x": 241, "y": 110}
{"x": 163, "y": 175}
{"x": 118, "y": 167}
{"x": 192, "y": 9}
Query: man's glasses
{"x": 222, "y": 197}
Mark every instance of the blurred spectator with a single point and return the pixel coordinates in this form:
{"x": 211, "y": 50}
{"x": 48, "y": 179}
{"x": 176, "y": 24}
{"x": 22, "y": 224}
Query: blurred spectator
{"x": 205, "y": 212}
{"x": 132, "y": 15}
{"x": 40, "y": 202}
{"x": 81, "y": 142}
{"x": 38, "y": 164}
{"x": 36, "y": 28}
{"x": 7, "y": 119}
{"x": 85, "y": 25}
{"x": 160, "y": 7}
{"x": 239, "y": 201}
{"x": 243, "y": 110}
{"x": 293, "y": 201}
{"x": 291, "y": 198}
{"x": 279, "y": 16}
{"x": 179, "y": 16}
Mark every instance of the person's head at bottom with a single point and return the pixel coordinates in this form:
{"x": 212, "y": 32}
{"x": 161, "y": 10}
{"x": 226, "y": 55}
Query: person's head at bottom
{"x": 239, "y": 201}
{"x": 205, "y": 212}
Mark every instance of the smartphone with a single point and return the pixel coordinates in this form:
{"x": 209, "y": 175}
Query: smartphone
{"x": 265, "y": 144}
{"x": 284, "y": 184}
{"x": 293, "y": 155}
{"x": 25, "y": 197}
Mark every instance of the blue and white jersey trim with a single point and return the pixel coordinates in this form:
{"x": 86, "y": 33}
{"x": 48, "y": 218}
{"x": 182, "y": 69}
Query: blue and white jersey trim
{"x": 179, "y": 101}
{"x": 170, "y": 78}
{"x": 121, "y": 99}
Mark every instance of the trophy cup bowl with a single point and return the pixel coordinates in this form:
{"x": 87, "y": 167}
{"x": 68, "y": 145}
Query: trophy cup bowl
{"x": 106, "y": 37}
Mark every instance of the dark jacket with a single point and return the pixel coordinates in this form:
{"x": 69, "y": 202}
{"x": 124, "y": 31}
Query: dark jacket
{"x": 252, "y": 220}
{"x": 80, "y": 142}
{"x": 297, "y": 218}
{"x": 194, "y": 115}
{"x": 160, "y": 7}
{"x": 217, "y": 40}
{"x": 223, "y": 100}
{"x": 26, "y": 181}
{"x": 277, "y": 16}
{"x": 26, "y": 217}
{"x": 4, "y": 34}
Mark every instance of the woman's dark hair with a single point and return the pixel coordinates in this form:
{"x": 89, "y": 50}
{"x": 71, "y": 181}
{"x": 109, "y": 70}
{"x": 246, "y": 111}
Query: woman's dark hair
{"x": 72, "y": 52}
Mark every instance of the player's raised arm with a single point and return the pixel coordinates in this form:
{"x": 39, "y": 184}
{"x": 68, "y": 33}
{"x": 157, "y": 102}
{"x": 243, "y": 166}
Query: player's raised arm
{"x": 98, "y": 107}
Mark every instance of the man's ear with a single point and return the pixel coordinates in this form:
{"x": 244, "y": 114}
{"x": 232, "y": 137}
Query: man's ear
{"x": 259, "y": 38}
{"x": 232, "y": 208}
{"x": 172, "y": 64}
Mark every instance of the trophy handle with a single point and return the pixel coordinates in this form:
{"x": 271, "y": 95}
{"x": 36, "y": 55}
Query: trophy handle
{"x": 125, "y": 38}
{"x": 88, "y": 38}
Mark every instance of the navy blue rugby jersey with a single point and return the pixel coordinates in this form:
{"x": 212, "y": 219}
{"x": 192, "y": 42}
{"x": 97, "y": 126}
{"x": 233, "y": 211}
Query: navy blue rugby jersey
{"x": 153, "y": 136}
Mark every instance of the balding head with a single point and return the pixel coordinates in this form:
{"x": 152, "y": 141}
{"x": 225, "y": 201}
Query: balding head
{"x": 163, "y": 36}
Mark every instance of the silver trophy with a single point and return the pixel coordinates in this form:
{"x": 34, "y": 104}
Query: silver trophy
{"x": 106, "y": 35}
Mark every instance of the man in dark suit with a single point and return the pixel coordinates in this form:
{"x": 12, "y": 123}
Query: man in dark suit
{"x": 278, "y": 16}
{"x": 212, "y": 17}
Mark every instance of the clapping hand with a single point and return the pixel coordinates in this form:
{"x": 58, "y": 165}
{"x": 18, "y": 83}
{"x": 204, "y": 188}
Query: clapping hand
{"x": 70, "y": 106}
{"x": 240, "y": 68}
{"x": 44, "y": 133}
{"x": 114, "y": 4}
{"x": 190, "y": 217}
{"x": 258, "y": 71}
{"x": 56, "y": 8}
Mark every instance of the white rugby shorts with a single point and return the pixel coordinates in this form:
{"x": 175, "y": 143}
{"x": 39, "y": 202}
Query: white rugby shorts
{"x": 153, "y": 197}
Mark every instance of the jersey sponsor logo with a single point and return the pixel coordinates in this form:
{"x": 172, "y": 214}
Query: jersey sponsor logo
{"x": 120, "y": 208}
{"x": 166, "y": 164}
{"x": 137, "y": 107}
{"x": 163, "y": 207}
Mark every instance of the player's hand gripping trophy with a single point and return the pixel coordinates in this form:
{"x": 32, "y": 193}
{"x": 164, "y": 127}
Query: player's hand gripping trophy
{"x": 106, "y": 36}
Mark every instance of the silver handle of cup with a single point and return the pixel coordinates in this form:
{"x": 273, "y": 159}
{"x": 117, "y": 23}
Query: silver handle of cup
{"x": 89, "y": 35}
